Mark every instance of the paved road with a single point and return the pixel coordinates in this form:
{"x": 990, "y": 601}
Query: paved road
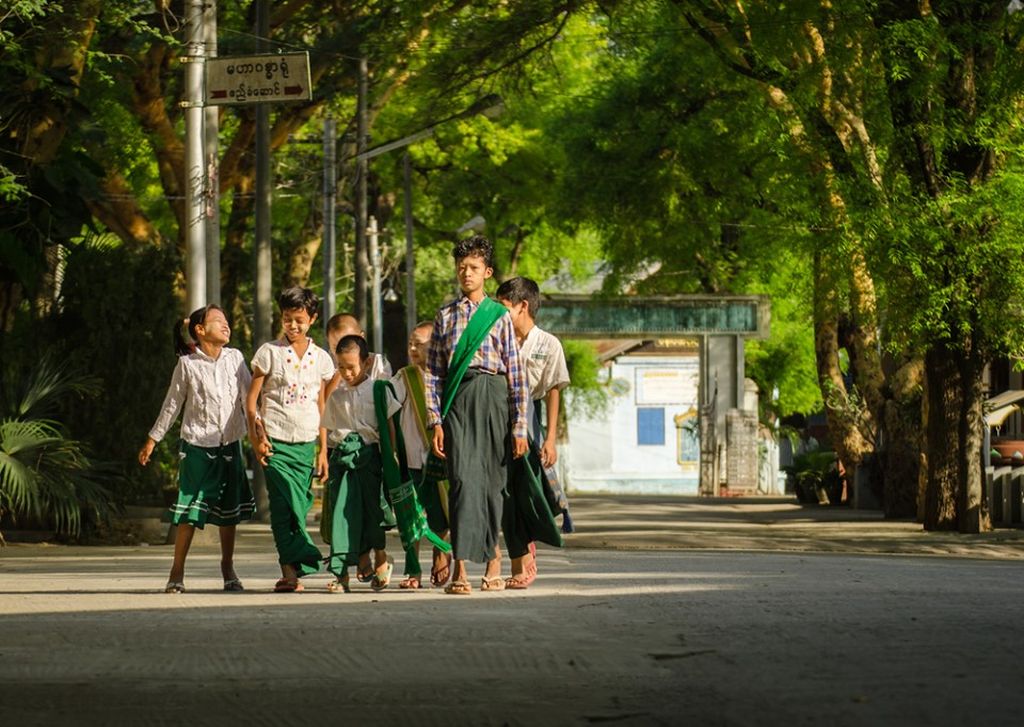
{"x": 627, "y": 638}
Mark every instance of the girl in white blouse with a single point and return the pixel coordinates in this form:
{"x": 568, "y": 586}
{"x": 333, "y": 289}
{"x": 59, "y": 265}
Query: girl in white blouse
{"x": 210, "y": 382}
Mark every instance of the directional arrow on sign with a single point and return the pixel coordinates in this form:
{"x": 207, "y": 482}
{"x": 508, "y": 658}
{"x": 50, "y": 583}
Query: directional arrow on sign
{"x": 293, "y": 90}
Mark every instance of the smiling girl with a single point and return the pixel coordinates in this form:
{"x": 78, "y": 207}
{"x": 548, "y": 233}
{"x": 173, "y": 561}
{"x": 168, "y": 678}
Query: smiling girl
{"x": 210, "y": 382}
{"x": 284, "y": 405}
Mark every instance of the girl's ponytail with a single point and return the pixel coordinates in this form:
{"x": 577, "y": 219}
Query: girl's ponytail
{"x": 181, "y": 346}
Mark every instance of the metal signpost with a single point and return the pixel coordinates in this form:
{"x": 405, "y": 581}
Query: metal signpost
{"x": 265, "y": 78}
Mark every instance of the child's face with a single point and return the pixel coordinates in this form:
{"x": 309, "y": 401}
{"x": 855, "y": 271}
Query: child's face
{"x": 296, "y": 323}
{"x": 419, "y": 340}
{"x": 215, "y": 329}
{"x": 472, "y": 272}
{"x": 519, "y": 312}
{"x": 335, "y": 335}
{"x": 351, "y": 367}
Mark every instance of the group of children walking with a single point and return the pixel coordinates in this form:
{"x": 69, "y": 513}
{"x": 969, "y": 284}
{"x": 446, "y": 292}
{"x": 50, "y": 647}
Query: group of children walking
{"x": 451, "y": 447}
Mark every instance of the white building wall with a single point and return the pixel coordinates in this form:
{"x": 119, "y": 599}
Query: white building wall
{"x": 604, "y": 455}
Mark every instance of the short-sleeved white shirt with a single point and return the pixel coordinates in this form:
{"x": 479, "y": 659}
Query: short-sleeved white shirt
{"x": 212, "y": 392}
{"x": 415, "y": 447}
{"x": 350, "y": 409}
{"x": 380, "y": 368}
{"x": 545, "y": 363}
{"x": 291, "y": 389}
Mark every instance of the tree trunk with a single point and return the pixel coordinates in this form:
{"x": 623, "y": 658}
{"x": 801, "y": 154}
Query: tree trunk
{"x": 845, "y": 418}
{"x": 942, "y": 435}
{"x": 955, "y": 430}
{"x": 902, "y": 441}
{"x": 973, "y": 509}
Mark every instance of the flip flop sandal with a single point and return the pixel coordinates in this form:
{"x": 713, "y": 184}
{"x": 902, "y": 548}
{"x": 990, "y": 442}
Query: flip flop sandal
{"x": 520, "y": 582}
{"x": 458, "y": 588}
{"x": 380, "y": 582}
{"x": 233, "y": 584}
{"x": 286, "y": 585}
{"x": 435, "y": 574}
{"x": 412, "y": 583}
{"x": 174, "y": 587}
{"x": 342, "y": 584}
{"x": 495, "y": 583}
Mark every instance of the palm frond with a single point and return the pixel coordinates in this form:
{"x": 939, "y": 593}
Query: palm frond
{"x": 48, "y": 383}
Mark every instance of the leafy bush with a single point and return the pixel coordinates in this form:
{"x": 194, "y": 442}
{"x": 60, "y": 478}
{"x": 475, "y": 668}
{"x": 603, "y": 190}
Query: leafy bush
{"x": 45, "y": 475}
{"x": 118, "y": 308}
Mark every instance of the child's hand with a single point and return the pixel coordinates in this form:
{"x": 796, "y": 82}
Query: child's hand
{"x": 263, "y": 450}
{"x": 519, "y": 447}
{"x": 548, "y": 453}
{"x": 322, "y": 466}
{"x": 437, "y": 442}
{"x": 146, "y": 452}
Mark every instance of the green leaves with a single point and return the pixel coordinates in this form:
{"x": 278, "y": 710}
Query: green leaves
{"x": 44, "y": 474}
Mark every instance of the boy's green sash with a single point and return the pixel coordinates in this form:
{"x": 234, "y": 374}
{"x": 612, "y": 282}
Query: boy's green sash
{"x": 412, "y": 520}
{"x": 418, "y": 396}
{"x": 480, "y": 324}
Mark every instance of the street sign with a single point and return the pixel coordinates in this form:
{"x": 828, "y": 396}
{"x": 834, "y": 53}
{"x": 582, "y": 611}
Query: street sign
{"x": 272, "y": 78}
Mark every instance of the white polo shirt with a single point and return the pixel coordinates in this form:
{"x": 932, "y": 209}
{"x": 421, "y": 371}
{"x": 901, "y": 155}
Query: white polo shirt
{"x": 380, "y": 368}
{"x": 291, "y": 389}
{"x": 212, "y": 392}
{"x": 350, "y": 409}
{"x": 545, "y": 363}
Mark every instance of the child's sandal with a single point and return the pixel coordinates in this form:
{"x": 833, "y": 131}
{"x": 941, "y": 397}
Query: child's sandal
{"x": 342, "y": 585}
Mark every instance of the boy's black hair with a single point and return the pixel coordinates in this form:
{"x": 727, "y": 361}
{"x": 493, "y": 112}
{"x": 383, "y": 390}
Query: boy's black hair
{"x": 516, "y": 290}
{"x": 198, "y": 318}
{"x": 476, "y": 245}
{"x": 304, "y": 298}
{"x": 350, "y": 343}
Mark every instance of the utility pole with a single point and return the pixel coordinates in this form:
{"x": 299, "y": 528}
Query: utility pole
{"x": 195, "y": 167}
{"x": 263, "y": 318}
{"x": 212, "y": 123}
{"x": 375, "y": 301}
{"x": 362, "y": 166}
{"x": 410, "y": 254}
{"x": 330, "y": 239}
{"x": 263, "y": 315}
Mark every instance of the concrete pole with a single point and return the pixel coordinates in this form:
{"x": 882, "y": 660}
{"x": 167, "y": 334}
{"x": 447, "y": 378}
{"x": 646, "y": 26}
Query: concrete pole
{"x": 362, "y": 262}
{"x": 212, "y": 123}
{"x": 330, "y": 239}
{"x": 195, "y": 166}
{"x": 375, "y": 297}
{"x": 264, "y": 314}
{"x": 410, "y": 253}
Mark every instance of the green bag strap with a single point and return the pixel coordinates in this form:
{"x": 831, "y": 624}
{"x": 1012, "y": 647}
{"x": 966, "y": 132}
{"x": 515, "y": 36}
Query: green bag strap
{"x": 480, "y": 324}
{"x": 418, "y": 396}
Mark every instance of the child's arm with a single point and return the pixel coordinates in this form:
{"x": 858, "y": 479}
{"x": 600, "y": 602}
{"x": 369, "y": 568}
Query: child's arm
{"x": 518, "y": 390}
{"x": 548, "y": 451}
{"x": 173, "y": 401}
{"x": 257, "y": 434}
{"x": 433, "y": 383}
{"x": 321, "y": 457}
{"x": 330, "y": 387}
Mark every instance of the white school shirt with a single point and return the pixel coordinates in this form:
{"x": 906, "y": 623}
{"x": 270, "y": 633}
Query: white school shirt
{"x": 212, "y": 391}
{"x": 379, "y": 369}
{"x": 291, "y": 389}
{"x": 545, "y": 363}
{"x": 351, "y": 409}
{"x": 416, "y": 450}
